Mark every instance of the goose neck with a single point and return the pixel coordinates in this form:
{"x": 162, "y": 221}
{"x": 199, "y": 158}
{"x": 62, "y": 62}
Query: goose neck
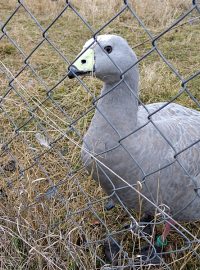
{"x": 119, "y": 105}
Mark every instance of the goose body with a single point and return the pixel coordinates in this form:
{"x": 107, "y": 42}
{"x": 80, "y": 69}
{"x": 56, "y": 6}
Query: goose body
{"x": 147, "y": 152}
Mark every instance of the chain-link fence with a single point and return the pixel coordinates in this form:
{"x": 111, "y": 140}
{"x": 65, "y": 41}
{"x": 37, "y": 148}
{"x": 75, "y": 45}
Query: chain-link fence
{"x": 53, "y": 214}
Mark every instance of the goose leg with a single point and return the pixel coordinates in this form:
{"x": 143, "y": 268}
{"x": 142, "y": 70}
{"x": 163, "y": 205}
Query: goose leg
{"x": 109, "y": 205}
{"x": 152, "y": 254}
{"x": 162, "y": 239}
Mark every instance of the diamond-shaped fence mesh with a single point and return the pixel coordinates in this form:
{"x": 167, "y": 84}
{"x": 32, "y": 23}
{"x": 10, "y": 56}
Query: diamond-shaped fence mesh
{"x": 53, "y": 214}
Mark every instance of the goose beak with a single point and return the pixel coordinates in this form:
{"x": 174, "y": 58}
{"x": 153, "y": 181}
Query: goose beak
{"x": 83, "y": 65}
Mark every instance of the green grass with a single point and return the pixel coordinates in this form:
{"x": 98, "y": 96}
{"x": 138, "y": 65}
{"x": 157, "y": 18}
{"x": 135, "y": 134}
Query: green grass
{"x": 46, "y": 224}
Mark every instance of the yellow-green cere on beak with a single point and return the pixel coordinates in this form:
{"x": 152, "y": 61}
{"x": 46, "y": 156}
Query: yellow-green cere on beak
{"x": 83, "y": 65}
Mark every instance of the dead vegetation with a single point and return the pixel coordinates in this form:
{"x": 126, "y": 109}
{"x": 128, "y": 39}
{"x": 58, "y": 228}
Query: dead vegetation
{"x": 49, "y": 212}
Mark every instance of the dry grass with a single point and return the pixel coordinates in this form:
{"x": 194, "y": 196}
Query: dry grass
{"x": 42, "y": 228}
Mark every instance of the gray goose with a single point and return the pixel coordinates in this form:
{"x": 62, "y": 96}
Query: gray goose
{"x": 144, "y": 156}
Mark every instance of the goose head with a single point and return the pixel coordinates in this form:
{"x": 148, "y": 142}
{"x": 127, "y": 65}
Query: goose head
{"x": 107, "y": 57}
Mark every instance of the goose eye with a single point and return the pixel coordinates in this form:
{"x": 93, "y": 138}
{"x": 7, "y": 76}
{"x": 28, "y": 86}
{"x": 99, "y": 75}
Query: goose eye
{"x": 108, "y": 49}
